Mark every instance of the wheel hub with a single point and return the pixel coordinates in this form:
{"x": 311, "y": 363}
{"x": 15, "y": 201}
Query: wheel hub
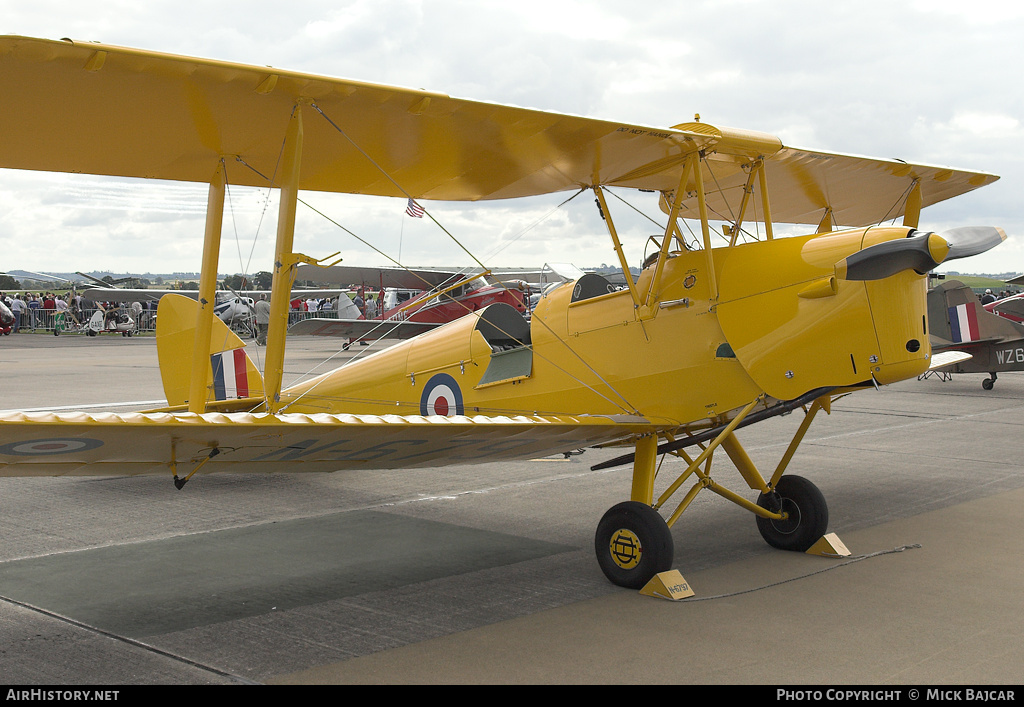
{"x": 791, "y": 522}
{"x": 625, "y": 548}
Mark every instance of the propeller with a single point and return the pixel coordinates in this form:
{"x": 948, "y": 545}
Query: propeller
{"x": 972, "y": 240}
{"x": 919, "y": 251}
{"x": 104, "y": 283}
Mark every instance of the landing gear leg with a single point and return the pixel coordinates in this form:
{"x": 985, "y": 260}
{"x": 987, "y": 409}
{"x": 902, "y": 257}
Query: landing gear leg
{"x": 633, "y": 542}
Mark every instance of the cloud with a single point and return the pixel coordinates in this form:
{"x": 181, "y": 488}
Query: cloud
{"x": 923, "y": 81}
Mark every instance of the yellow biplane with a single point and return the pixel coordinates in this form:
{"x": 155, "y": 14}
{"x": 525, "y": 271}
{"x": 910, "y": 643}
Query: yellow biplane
{"x": 706, "y": 340}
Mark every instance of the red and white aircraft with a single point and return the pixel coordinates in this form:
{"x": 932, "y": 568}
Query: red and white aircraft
{"x": 411, "y": 301}
{"x": 1011, "y": 307}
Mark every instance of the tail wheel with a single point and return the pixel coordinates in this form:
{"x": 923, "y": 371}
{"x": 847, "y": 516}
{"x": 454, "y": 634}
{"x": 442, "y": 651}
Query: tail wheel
{"x": 633, "y": 543}
{"x": 807, "y": 511}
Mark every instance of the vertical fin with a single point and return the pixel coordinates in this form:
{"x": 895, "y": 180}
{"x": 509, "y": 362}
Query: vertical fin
{"x": 175, "y": 339}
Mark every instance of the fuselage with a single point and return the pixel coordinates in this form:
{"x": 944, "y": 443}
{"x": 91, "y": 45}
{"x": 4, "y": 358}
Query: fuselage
{"x": 781, "y": 324}
{"x": 1011, "y": 308}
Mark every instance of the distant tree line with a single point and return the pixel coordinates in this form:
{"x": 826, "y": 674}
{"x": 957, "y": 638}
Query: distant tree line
{"x": 260, "y": 281}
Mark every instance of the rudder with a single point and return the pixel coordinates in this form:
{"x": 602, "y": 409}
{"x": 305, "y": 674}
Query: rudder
{"x": 233, "y": 374}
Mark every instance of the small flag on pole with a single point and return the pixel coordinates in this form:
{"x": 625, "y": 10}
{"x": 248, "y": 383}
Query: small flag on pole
{"x": 414, "y": 209}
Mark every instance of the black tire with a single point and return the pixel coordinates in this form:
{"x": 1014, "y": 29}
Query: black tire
{"x": 988, "y": 383}
{"x": 808, "y": 514}
{"x": 633, "y": 543}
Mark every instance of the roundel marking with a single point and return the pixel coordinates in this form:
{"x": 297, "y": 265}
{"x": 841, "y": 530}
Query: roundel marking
{"x": 441, "y": 396}
{"x": 57, "y": 445}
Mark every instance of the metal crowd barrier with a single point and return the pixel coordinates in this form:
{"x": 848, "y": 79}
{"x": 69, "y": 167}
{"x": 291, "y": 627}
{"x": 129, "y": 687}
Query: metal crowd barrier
{"x": 75, "y": 321}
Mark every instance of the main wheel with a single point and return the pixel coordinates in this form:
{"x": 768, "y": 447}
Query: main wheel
{"x": 988, "y": 383}
{"x": 633, "y": 543}
{"x": 808, "y": 514}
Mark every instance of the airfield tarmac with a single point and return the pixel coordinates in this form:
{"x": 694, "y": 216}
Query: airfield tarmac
{"x": 486, "y": 574}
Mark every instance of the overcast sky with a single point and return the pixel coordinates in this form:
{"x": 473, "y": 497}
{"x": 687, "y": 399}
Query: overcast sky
{"x": 934, "y": 82}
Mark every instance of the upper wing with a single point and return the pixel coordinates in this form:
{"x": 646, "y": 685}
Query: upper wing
{"x": 145, "y": 114}
{"x": 859, "y": 190}
{"x": 360, "y": 328}
{"x": 79, "y": 443}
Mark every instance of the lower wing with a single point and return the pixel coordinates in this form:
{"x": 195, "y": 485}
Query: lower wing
{"x": 108, "y": 444}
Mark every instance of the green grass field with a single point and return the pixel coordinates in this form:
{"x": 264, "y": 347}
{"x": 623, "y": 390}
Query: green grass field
{"x": 981, "y": 283}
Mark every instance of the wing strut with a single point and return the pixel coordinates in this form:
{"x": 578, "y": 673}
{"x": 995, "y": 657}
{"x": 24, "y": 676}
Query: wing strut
{"x": 284, "y": 262}
{"x": 705, "y": 229}
{"x": 748, "y": 189}
{"x": 666, "y": 242}
{"x": 912, "y": 210}
{"x": 766, "y": 207}
{"x": 201, "y": 371}
{"x": 645, "y": 469}
{"x": 617, "y": 244}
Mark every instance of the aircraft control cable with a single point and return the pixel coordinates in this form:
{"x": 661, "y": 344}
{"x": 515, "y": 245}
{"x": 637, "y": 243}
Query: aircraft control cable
{"x": 731, "y": 217}
{"x": 779, "y": 408}
{"x": 409, "y": 196}
{"x": 429, "y": 286}
{"x": 639, "y": 211}
{"x": 718, "y": 187}
{"x": 390, "y": 179}
{"x": 246, "y": 264}
{"x": 901, "y": 199}
{"x": 532, "y": 226}
{"x": 846, "y": 562}
{"x": 629, "y": 410}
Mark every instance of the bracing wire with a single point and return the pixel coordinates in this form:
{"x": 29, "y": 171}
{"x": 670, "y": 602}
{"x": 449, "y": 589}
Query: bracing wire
{"x": 630, "y": 409}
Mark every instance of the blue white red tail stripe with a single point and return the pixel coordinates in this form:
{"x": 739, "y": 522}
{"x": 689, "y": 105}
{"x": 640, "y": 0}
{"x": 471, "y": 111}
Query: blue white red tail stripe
{"x": 230, "y": 379}
{"x": 963, "y": 322}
